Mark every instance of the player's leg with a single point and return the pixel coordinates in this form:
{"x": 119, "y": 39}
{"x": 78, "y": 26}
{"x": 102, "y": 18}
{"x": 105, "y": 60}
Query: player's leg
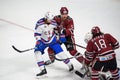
{"x": 72, "y": 48}
{"x": 51, "y": 54}
{"x": 96, "y": 67}
{"x": 39, "y": 51}
{"x": 79, "y": 56}
{"x": 40, "y": 63}
{"x": 51, "y": 57}
{"x": 59, "y": 53}
{"x": 114, "y": 69}
{"x": 62, "y": 55}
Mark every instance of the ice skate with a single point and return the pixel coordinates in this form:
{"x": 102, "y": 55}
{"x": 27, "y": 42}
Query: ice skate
{"x": 41, "y": 74}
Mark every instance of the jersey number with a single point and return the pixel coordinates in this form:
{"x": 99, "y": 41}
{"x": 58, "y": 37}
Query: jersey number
{"x": 101, "y": 44}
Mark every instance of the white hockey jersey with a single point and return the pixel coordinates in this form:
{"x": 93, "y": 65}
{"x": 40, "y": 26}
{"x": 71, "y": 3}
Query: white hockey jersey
{"x": 45, "y": 32}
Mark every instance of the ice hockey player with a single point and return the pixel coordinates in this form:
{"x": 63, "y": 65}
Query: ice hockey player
{"x": 45, "y": 37}
{"x": 100, "y": 51}
{"x": 66, "y": 26}
{"x": 102, "y": 74}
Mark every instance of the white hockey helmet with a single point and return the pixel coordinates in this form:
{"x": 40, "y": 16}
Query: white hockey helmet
{"x": 88, "y": 36}
{"x": 49, "y": 16}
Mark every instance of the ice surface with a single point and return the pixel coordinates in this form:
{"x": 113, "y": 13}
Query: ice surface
{"x": 86, "y": 14}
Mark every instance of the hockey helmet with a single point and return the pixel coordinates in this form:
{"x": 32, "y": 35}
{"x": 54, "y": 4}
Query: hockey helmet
{"x": 49, "y": 16}
{"x": 95, "y": 30}
{"x": 64, "y": 10}
{"x": 88, "y": 36}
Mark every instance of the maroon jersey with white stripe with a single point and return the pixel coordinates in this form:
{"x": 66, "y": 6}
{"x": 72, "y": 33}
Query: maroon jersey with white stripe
{"x": 66, "y": 24}
{"x": 101, "y": 45}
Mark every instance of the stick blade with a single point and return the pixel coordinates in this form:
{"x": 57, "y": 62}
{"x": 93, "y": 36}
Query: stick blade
{"x": 79, "y": 74}
{"x": 16, "y": 49}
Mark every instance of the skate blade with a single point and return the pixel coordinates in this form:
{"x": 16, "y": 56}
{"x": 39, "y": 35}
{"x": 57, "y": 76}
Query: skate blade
{"x": 42, "y": 76}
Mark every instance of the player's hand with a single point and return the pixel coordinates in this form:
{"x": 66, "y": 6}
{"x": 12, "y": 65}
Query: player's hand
{"x": 63, "y": 31}
{"x": 62, "y": 38}
{"x": 39, "y": 45}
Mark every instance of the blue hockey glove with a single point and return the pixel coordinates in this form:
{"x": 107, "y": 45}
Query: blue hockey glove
{"x": 39, "y": 46}
{"x": 62, "y": 38}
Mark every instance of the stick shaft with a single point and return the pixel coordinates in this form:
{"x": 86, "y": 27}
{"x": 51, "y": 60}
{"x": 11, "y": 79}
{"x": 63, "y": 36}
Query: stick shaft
{"x": 21, "y": 51}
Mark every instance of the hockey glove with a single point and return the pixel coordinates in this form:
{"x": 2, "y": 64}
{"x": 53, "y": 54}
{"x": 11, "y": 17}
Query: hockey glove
{"x": 67, "y": 32}
{"x": 62, "y": 38}
{"x": 64, "y": 31}
{"x": 39, "y": 46}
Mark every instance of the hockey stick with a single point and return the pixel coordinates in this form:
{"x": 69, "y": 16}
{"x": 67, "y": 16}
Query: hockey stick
{"x": 80, "y": 74}
{"x": 76, "y": 44}
{"x": 21, "y": 51}
{"x": 18, "y": 25}
{"x": 64, "y": 59}
{"x": 67, "y": 58}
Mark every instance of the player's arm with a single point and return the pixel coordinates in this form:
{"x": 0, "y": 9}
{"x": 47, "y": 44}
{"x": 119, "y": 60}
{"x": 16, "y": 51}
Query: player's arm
{"x": 37, "y": 33}
{"x": 113, "y": 41}
{"x": 89, "y": 54}
{"x": 70, "y": 28}
{"x": 38, "y": 30}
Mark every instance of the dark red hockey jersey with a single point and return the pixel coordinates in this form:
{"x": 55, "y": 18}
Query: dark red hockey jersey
{"x": 101, "y": 47}
{"x": 66, "y": 24}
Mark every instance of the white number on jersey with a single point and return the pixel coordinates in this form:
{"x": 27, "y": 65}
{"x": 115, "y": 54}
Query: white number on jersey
{"x": 101, "y": 44}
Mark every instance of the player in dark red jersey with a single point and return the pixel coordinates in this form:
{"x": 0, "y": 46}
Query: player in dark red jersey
{"x": 100, "y": 51}
{"x": 66, "y": 26}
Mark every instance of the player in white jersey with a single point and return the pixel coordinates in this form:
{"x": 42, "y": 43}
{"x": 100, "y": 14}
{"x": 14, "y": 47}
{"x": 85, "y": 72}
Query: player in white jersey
{"x": 45, "y": 37}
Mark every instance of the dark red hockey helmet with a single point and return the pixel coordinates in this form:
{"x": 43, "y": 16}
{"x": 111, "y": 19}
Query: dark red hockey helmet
{"x": 95, "y": 30}
{"x": 64, "y": 10}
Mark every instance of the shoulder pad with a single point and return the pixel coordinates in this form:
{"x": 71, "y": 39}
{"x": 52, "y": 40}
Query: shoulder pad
{"x": 58, "y": 16}
{"x": 54, "y": 23}
{"x": 69, "y": 18}
{"x": 40, "y": 22}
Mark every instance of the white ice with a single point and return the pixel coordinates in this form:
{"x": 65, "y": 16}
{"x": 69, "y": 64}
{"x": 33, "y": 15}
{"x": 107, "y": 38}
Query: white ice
{"x": 85, "y": 13}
